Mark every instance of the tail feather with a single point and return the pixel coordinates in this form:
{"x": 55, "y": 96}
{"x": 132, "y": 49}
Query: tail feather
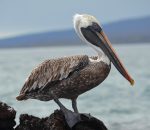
{"x": 20, "y": 97}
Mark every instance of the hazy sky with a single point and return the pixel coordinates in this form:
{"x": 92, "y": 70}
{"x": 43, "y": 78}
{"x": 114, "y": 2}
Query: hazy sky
{"x": 27, "y": 16}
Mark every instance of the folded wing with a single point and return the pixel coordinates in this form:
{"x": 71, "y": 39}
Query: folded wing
{"x": 53, "y": 70}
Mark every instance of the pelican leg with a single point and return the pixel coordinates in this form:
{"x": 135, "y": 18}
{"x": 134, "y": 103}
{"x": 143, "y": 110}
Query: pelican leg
{"x": 74, "y": 105}
{"x": 71, "y": 117}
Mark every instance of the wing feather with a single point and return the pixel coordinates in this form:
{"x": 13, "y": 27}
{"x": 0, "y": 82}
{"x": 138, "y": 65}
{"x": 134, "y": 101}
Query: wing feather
{"x": 53, "y": 70}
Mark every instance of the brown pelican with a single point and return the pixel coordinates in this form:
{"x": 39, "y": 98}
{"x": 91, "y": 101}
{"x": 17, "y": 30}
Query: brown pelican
{"x": 68, "y": 77}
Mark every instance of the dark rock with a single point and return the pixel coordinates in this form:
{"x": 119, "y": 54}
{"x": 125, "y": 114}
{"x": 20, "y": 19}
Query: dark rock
{"x": 89, "y": 124}
{"x": 7, "y": 123}
{"x": 7, "y": 116}
{"x": 7, "y": 129}
{"x": 56, "y": 121}
{"x": 6, "y": 112}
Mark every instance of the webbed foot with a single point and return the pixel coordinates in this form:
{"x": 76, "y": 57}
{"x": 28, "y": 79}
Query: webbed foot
{"x": 71, "y": 117}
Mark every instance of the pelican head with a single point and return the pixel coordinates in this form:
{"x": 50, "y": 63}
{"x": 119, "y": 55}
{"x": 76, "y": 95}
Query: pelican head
{"x": 89, "y": 30}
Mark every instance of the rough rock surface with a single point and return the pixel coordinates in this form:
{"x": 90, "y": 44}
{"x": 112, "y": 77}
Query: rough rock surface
{"x": 7, "y": 117}
{"x": 89, "y": 124}
{"x": 56, "y": 121}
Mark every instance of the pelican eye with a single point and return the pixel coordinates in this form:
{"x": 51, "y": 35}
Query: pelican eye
{"x": 96, "y": 27}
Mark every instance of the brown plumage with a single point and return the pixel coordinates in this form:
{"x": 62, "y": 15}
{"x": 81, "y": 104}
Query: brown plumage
{"x": 69, "y": 77}
{"x": 66, "y": 77}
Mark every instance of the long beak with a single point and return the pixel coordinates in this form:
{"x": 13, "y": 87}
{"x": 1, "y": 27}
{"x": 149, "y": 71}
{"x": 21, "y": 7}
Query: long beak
{"x": 110, "y": 52}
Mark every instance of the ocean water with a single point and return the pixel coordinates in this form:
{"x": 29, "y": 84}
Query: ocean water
{"x": 115, "y": 102}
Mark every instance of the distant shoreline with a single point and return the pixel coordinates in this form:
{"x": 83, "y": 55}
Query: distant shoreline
{"x": 133, "y": 31}
{"x": 36, "y": 47}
